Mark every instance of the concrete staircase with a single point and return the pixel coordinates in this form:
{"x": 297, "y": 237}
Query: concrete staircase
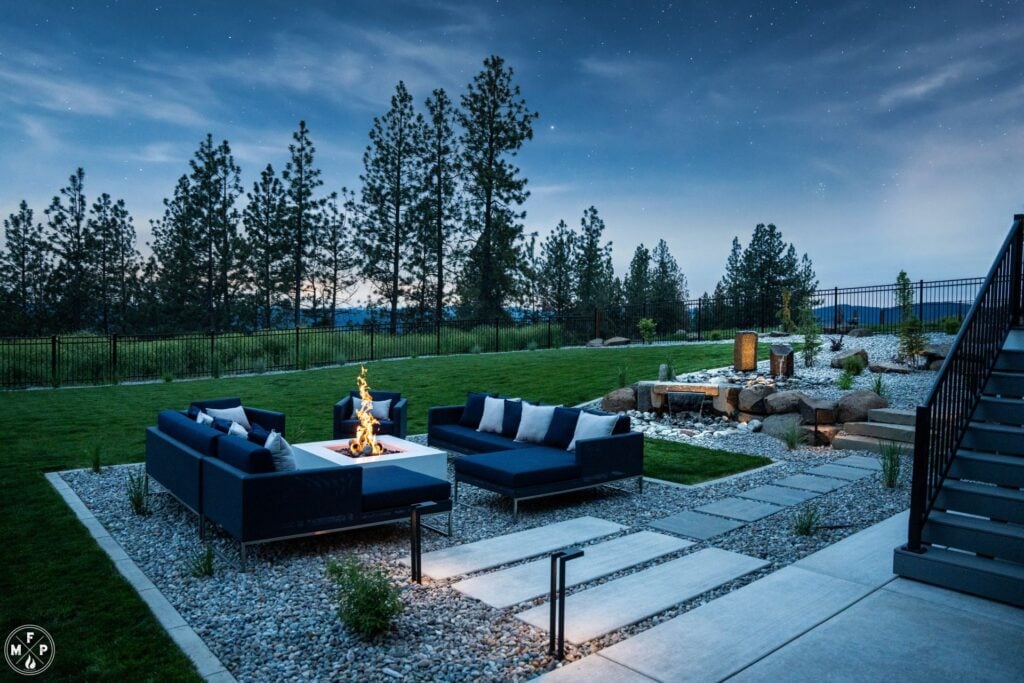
{"x": 884, "y": 426}
{"x": 975, "y": 533}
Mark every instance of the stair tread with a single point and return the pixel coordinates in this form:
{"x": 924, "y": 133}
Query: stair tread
{"x": 984, "y": 489}
{"x": 1000, "y": 399}
{"x": 997, "y": 427}
{"x": 1010, "y": 531}
{"x": 1011, "y": 570}
{"x": 993, "y": 458}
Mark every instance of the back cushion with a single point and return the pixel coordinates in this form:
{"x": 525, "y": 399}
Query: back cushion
{"x": 510, "y": 419}
{"x": 562, "y": 427}
{"x": 217, "y": 403}
{"x": 195, "y": 436}
{"x": 474, "y": 410}
{"x": 621, "y": 425}
{"x": 245, "y": 455}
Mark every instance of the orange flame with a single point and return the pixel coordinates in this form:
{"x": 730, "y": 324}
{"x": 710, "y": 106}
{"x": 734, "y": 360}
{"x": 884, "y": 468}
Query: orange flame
{"x": 365, "y": 442}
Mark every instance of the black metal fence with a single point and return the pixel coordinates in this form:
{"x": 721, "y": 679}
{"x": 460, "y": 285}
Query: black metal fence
{"x": 100, "y": 359}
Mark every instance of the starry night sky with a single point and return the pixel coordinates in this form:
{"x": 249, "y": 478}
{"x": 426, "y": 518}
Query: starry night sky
{"x": 876, "y": 135}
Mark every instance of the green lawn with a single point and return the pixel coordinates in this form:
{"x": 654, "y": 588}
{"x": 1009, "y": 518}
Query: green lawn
{"x": 55, "y": 576}
{"x": 684, "y": 463}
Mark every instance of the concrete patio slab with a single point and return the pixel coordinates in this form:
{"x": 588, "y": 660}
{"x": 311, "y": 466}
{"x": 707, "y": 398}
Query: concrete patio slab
{"x": 861, "y": 461}
{"x": 722, "y": 637}
{"x": 839, "y": 472}
{"x": 531, "y": 580}
{"x": 610, "y": 606}
{"x": 865, "y": 557}
{"x": 888, "y": 636}
{"x": 778, "y": 495}
{"x": 1013, "y": 616}
{"x": 593, "y": 669}
{"x": 493, "y": 552}
{"x": 809, "y": 482}
{"x": 742, "y": 509}
{"x": 696, "y": 525}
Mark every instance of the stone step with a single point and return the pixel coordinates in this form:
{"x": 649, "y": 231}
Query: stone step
{"x": 619, "y": 603}
{"x": 893, "y": 416}
{"x": 493, "y": 552}
{"x": 881, "y": 431}
{"x": 742, "y": 509}
{"x": 809, "y": 482}
{"x": 855, "y": 442}
{"x": 696, "y": 525}
{"x": 862, "y": 461}
{"x": 839, "y": 472}
{"x": 511, "y": 586}
{"x": 778, "y": 495}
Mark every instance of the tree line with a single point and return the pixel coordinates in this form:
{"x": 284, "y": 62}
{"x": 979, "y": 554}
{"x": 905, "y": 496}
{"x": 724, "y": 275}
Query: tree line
{"x": 435, "y": 230}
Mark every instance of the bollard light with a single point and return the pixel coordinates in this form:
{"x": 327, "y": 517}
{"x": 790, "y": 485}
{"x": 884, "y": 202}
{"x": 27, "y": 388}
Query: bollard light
{"x": 744, "y": 353}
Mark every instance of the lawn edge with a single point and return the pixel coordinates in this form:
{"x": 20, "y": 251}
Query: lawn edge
{"x": 719, "y": 480}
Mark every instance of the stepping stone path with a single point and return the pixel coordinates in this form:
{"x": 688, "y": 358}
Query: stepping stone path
{"x": 511, "y": 586}
{"x": 809, "y": 482}
{"x": 739, "y": 508}
{"x": 696, "y": 525}
{"x": 492, "y": 552}
{"x": 839, "y": 472}
{"x": 779, "y": 495}
{"x": 861, "y": 461}
{"x": 627, "y": 600}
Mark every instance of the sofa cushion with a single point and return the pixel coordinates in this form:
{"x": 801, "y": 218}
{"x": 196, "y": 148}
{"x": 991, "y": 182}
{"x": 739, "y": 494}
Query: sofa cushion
{"x": 233, "y": 414}
{"x": 258, "y": 435}
{"x": 221, "y": 425}
{"x": 510, "y": 418}
{"x": 391, "y": 487}
{"x": 474, "y": 410}
{"x": 493, "y": 416}
{"x": 468, "y": 439}
{"x": 217, "y": 403}
{"x": 280, "y": 452}
{"x": 525, "y": 467}
{"x": 562, "y": 427}
{"x": 381, "y": 408}
{"x": 244, "y": 455}
{"x": 534, "y": 423}
{"x": 349, "y": 427}
{"x": 196, "y": 436}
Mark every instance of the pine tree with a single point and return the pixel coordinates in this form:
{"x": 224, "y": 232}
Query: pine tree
{"x": 24, "y": 270}
{"x": 668, "y": 289}
{"x": 334, "y": 255}
{"x": 265, "y": 219}
{"x": 301, "y": 180}
{"x": 115, "y": 260}
{"x": 556, "y": 283}
{"x": 594, "y": 273}
{"x": 176, "y": 271}
{"x": 390, "y": 180}
{"x": 496, "y": 123}
{"x": 637, "y": 284}
{"x": 72, "y": 283}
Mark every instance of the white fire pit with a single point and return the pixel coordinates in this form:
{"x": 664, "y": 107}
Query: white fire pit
{"x": 411, "y": 456}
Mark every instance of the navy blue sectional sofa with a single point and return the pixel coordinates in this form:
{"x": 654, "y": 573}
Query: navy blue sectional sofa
{"x": 232, "y": 482}
{"x": 522, "y": 470}
{"x": 395, "y": 424}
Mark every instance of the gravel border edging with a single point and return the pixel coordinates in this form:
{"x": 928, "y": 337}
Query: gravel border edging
{"x": 207, "y": 664}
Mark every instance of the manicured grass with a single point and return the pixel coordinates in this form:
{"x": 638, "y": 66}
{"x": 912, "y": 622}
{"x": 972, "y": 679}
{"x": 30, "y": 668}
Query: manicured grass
{"x": 687, "y": 464}
{"x": 55, "y": 576}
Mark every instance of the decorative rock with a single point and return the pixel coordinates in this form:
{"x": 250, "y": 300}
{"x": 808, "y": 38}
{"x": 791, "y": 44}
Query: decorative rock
{"x": 744, "y": 351}
{"x": 595, "y": 343}
{"x": 619, "y": 400}
{"x": 884, "y": 366}
{"x": 840, "y": 358}
{"x": 752, "y": 398}
{"x": 666, "y": 373}
{"x": 781, "y": 360}
{"x": 783, "y": 402}
{"x": 728, "y": 400}
{"x": 934, "y": 352}
{"x": 778, "y": 425}
{"x": 817, "y": 411}
{"x": 936, "y": 364}
{"x": 822, "y": 435}
{"x": 747, "y": 417}
{"x": 860, "y": 332}
{"x": 643, "y": 396}
{"x": 854, "y": 406}
{"x": 616, "y": 341}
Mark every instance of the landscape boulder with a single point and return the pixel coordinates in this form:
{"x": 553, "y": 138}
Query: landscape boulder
{"x": 936, "y": 364}
{"x": 783, "y": 402}
{"x": 595, "y": 343}
{"x": 935, "y": 352}
{"x": 616, "y": 341}
{"x": 752, "y": 398}
{"x": 822, "y": 435}
{"x": 840, "y": 358}
{"x": 781, "y": 360}
{"x": 860, "y": 332}
{"x": 666, "y": 373}
{"x": 643, "y": 396}
{"x": 619, "y": 401}
{"x": 818, "y": 411}
{"x": 727, "y": 401}
{"x": 886, "y": 367}
{"x": 779, "y": 425}
{"x": 854, "y": 406}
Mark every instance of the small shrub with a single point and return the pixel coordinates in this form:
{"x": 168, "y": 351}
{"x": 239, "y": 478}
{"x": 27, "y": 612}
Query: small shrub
{"x": 811, "y": 329}
{"x": 891, "y": 460}
{"x": 794, "y": 437}
{"x": 259, "y": 366}
{"x": 200, "y": 565}
{"x": 715, "y": 336}
{"x": 304, "y": 360}
{"x": 666, "y": 373}
{"x": 835, "y": 344}
{"x": 138, "y": 493}
{"x": 168, "y": 376}
{"x": 622, "y": 377}
{"x": 475, "y": 348}
{"x": 912, "y": 340}
{"x": 853, "y": 365}
{"x": 532, "y": 345}
{"x": 878, "y": 386}
{"x": 215, "y": 367}
{"x": 845, "y": 381}
{"x": 96, "y": 459}
{"x": 786, "y": 312}
{"x": 368, "y": 602}
{"x": 806, "y": 521}
{"x": 340, "y": 359}
{"x": 951, "y": 325}
{"x": 647, "y": 328}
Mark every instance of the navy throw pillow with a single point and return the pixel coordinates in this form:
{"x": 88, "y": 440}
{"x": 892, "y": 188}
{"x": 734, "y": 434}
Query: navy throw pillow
{"x": 221, "y": 425}
{"x": 510, "y": 419}
{"x": 193, "y": 412}
{"x": 562, "y": 428}
{"x": 258, "y": 434}
{"x": 474, "y": 410}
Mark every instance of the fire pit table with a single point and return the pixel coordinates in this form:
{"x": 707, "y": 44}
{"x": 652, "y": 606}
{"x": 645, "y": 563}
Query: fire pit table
{"x": 411, "y": 456}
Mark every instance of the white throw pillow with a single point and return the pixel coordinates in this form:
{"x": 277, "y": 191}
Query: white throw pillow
{"x": 381, "y": 409}
{"x": 238, "y": 430}
{"x": 280, "y": 451}
{"x": 236, "y": 414}
{"x": 590, "y": 426}
{"x": 494, "y": 415}
{"x": 204, "y": 419}
{"x": 534, "y": 423}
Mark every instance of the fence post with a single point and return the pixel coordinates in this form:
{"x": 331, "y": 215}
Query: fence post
{"x": 438, "y": 337}
{"x": 920, "y": 301}
{"x": 1016, "y": 268}
{"x": 497, "y": 340}
{"x": 919, "y": 482}
{"x": 549, "y": 331}
{"x": 213, "y": 351}
{"x": 835, "y": 309}
{"x": 373, "y": 326}
{"x": 113, "y": 357}
{"x": 54, "y": 361}
{"x": 700, "y": 307}
{"x": 298, "y": 348}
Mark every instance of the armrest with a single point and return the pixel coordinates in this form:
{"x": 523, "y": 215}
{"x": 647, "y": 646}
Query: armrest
{"x": 266, "y": 418}
{"x": 444, "y": 415}
{"x": 342, "y": 411}
{"x": 621, "y": 454}
{"x": 400, "y": 416}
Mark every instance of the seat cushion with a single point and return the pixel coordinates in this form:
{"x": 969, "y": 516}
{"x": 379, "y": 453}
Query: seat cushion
{"x": 245, "y": 455}
{"x": 525, "y": 467}
{"x": 468, "y": 439}
{"x": 510, "y": 419}
{"x": 562, "y": 427}
{"x": 349, "y": 427}
{"x": 391, "y": 487}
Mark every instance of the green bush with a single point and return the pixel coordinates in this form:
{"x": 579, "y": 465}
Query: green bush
{"x": 476, "y": 348}
{"x": 806, "y": 521}
{"x": 532, "y": 345}
{"x": 853, "y": 365}
{"x": 259, "y": 366}
{"x": 96, "y": 459}
{"x": 912, "y": 340}
{"x": 786, "y": 313}
{"x": 368, "y": 602}
{"x": 715, "y": 336}
{"x": 200, "y": 565}
{"x": 138, "y": 493}
{"x": 647, "y": 328}
{"x": 810, "y": 327}
{"x": 622, "y": 377}
{"x": 794, "y": 437}
{"x": 168, "y": 376}
{"x": 890, "y": 458}
{"x": 845, "y": 381}
{"x": 878, "y": 386}
{"x": 950, "y": 325}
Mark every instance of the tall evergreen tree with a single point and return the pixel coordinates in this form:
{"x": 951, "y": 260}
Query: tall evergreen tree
{"x": 24, "y": 270}
{"x": 637, "y": 284}
{"x": 495, "y": 123}
{"x": 265, "y": 218}
{"x": 557, "y": 285}
{"x": 301, "y": 180}
{"x": 390, "y": 180}
{"x": 176, "y": 271}
{"x": 115, "y": 260}
{"x": 668, "y": 288}
{"x": 334, "y": 256}
{"x": 72, "y": 283}
{"x": 594, "y": 273}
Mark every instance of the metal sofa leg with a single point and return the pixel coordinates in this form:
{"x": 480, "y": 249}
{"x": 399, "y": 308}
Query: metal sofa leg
{"x": 515, "y": 510}
{"x": 455, "y": 496}
{"x": 241, "y": 555}
{"x": 640, "y": 484}
{"x": 451, "y": 513}
{"x": 202, "y": 527}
